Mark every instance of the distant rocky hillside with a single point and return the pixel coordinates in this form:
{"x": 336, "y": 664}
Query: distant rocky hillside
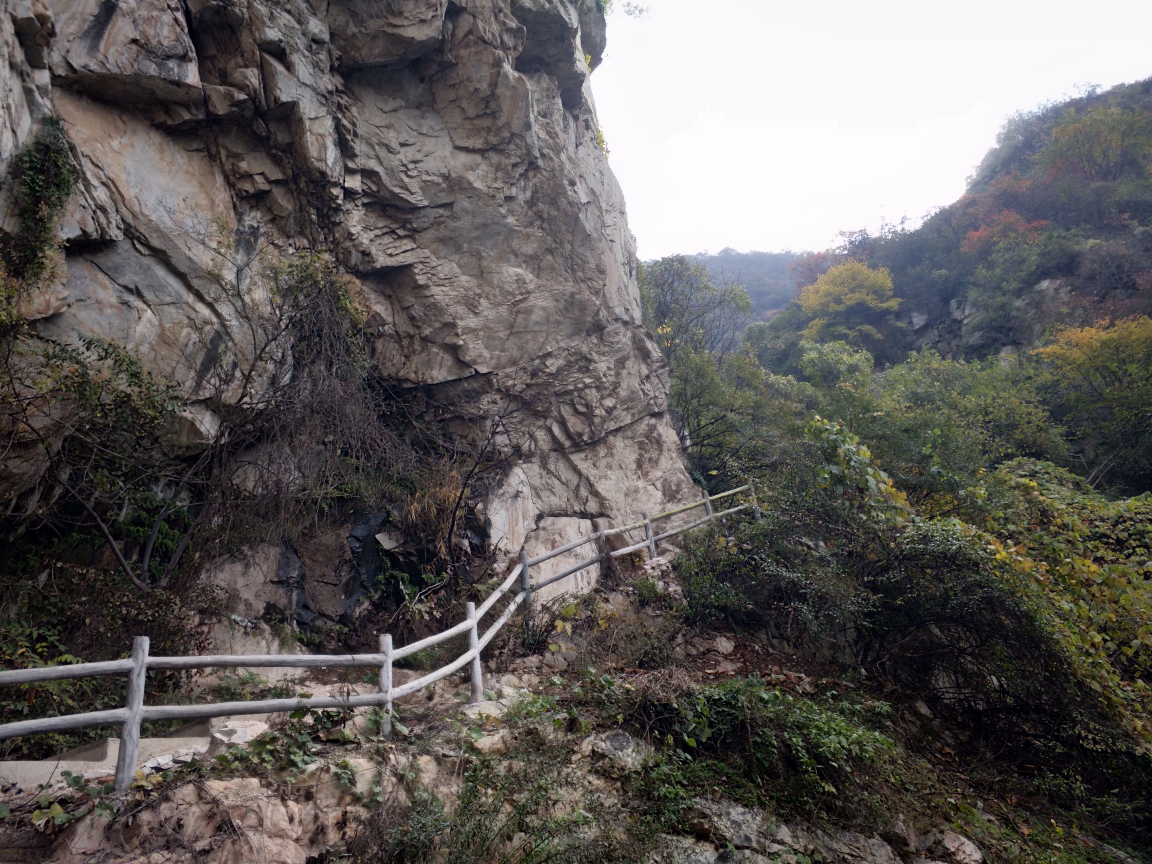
{"x": 764, "y": 275}
{"x": 1054, "y": 230}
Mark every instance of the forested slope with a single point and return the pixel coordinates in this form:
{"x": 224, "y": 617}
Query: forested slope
{"x": 951, "y": 428}
{"x": 1053, "y": 231}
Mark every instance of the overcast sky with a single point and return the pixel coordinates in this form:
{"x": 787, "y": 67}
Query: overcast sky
{"x": 770, "y": 125}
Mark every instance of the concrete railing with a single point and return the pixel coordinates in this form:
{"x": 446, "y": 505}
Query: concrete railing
{"x": 140, "y": 663}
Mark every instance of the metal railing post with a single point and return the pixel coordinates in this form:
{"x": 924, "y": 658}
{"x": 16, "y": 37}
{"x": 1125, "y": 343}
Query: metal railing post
{"x": 708, "y": 507}
{"x": 477, "y": 694}
{"x": 130, "y": 731}
{"x": 386, "y": 683}
{"x": 649, "y": 536}
{"x": 526, "y": 588}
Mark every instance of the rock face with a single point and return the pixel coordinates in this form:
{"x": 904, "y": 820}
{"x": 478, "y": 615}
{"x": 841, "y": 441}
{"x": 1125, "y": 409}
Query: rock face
{"x": 964, "y": 329}
{"x": 227, "y": 822}
{"x": 444, "y": 152}
{"x": 754, "y": 837}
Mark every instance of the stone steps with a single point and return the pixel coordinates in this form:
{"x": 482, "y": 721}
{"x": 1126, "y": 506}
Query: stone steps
{"x": 200, "y": 739}
{"x": 97, "y": 761}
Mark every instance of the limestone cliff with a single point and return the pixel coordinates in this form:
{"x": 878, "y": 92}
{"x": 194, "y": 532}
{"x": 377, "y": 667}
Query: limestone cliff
{"x": 444, "y": 151}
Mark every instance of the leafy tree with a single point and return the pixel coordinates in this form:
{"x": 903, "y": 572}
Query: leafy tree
{"x": 811, "y": 266}
{"x": 1102, "y": 144}
{"x": 1005, "y": 228}
{"x": 730, "y": 413}
{"x": 1103, "y": 388}
{"x": 835, "y": 366}
{"x": 936, "y": 425}
{"x": 942, "y": 424}
{"x": 683, "y": 309}
{"x": 776, "y": 342}
{"x": 116, "y": 444}
{"x": 850, "y": 472}
{"x": 851, "y": 302}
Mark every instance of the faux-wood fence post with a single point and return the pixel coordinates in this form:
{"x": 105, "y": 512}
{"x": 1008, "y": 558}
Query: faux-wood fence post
{"x": 708, "y": 507}
{"x": 130, "y": 732}
{"x": 755, "y": 503}
{"x": 386, "y": 683}
{"x": 650, "y": 536}
{"x": 477, "y": 694}
{"x": 526, "y": 588}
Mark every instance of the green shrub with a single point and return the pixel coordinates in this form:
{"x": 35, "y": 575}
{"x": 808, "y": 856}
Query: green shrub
{"x": 635, "y": 641}
{"x": 706, "y": 577}
{"x": 647, "y": 591}
{"x": 45, "y": 175}
{"x": 778, "y": 733}
{"x": 754, "y": 741}
{"x": 1034, "y": 635}
{"x": 1090, "y": 560}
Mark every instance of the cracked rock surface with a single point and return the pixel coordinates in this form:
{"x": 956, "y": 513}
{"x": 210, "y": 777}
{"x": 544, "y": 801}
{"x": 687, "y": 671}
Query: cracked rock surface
{"x": 445, "y": 153}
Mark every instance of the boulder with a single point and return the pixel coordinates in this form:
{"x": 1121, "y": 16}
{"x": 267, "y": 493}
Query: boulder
{"x": 621, "y": 749}
{"x": 131, "y": 51}
{"x": 676, "y": 849}
{"x": 385, "y": 34}
{"x": 729, "y": 824}
{"x": 961, "y": 849}
{"x": 854, "y": 848}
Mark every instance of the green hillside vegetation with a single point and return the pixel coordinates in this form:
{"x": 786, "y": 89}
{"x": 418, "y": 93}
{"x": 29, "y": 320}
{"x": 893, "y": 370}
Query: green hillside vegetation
{"x": 964, "y": 520}
{"x": 1051, "y": 246}
{"x": 1066, "y": 194}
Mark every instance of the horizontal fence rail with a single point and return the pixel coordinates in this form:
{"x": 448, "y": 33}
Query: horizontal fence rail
{"x": 140, "y": 663}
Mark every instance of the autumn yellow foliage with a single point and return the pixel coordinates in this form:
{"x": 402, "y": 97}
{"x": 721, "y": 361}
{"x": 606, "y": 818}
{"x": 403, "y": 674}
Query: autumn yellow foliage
{"x": 1104, "y": 381}
{"x": 851, "y": 302}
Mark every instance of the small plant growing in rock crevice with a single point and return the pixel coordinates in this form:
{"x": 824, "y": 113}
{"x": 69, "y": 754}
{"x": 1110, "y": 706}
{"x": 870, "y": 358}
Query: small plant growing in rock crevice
{"x": 45, "y": 176}
{"x": 602, "y": 142}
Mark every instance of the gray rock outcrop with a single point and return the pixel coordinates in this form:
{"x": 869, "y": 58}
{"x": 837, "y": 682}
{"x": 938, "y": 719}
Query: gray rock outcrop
{"x": 965, "y": 330}
{"x": 726, "y": 831}
{"x": 444, "y": 152}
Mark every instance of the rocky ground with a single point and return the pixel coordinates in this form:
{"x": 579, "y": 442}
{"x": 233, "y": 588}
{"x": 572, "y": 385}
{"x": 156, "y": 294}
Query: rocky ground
{"x": 198, "y": 814}
{"x": 280, "y": 789}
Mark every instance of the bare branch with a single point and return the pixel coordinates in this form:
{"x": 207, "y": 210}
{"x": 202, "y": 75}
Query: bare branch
{"x": 111, "y": 542}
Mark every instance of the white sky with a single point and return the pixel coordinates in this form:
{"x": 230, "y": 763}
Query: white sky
{"x": 769, "y": 125}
